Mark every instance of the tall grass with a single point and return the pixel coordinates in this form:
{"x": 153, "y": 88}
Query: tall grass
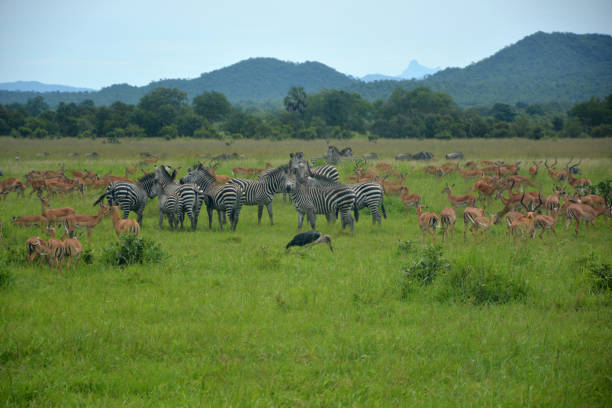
{"x": 234, "y": 319}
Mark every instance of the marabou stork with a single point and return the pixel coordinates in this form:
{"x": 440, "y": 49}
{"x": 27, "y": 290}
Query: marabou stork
{"x": 310, "y": 238}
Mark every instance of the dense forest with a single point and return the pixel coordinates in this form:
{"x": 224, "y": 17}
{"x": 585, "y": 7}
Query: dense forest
{"x": 417, "y": 113}
{"x": 542, "y": 68}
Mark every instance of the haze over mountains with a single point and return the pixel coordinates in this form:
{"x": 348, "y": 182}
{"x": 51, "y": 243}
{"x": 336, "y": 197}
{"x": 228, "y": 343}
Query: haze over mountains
{"x": 35, "y": 86}
{"x": 540, "y": 68}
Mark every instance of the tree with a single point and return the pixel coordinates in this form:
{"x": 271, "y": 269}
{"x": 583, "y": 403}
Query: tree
{"x": 213, "y": 106}
{"x": 502, "y": 111}
{"x": 36, "y": 106}
{"x": 296, "y": 100}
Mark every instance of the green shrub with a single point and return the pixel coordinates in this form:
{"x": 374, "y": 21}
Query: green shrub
{"x": 598, "y": 272}
{"x": 131, "y": 249}
{"x": 423, "y": 271}
{"x": 480, "y": 285}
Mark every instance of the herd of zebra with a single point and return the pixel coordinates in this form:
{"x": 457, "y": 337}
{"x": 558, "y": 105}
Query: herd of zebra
{"x": 312, "y": 190}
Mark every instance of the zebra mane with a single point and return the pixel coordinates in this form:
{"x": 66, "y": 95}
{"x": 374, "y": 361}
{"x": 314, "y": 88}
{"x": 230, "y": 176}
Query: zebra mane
{"x": 322, "y": 178}
{"x": 146, "y": 178}
{"x": 275, "y": 171}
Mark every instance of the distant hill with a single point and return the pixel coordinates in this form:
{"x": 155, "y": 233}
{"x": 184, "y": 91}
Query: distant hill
{"x": 559, "y": 67}
{"x": 540, "y": 68}
{"x": 35, "y": 86}
{"x": 414, "y": 71}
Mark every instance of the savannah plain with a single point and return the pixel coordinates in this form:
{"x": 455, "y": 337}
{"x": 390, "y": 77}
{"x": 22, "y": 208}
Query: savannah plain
{"x": 232, "y": 319}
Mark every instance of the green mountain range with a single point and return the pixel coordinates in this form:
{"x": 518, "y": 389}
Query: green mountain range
{"x": 540, "y": 68}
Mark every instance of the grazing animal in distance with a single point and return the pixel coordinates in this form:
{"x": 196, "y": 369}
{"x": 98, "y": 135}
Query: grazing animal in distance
{"x": 310, "y": 238}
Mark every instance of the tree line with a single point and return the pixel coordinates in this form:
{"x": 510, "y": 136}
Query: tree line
{"x": 416, "y": 113}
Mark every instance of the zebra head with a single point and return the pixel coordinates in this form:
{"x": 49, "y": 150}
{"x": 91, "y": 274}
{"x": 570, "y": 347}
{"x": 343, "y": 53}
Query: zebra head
{"x": 299, "y": 165}
{"x": 147, "y": 182}
{"x": 290, "y": 181}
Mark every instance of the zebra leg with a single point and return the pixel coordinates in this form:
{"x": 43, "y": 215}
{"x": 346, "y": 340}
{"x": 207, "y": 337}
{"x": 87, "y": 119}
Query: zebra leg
{"x": 300, "y": 221}
{"x": 312, "y": 219}
{"x": 191, "y": 219}
{"x": 259, "y": 213}
{"x": 269, "y": 207}
{"x": 222, "y": 219}
{"x": 161, "y": 219}
{"x": 209, "y": 210}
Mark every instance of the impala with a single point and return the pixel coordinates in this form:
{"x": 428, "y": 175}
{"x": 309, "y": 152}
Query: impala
{"x": 485, "y": 190}
{"x": 427, "y": 222}
{"x": 546, "y": 223}
{"x": 89, "y": 222}
{"x": 525, "y": 223}
{"x": 482, "y": 223}
{"x": 123, "y": 226}
{"x": 552, "y": 203}
{"x": 582, "y": 212}
{"x": 29, "y": 220}
{"x": 533, "y": 170}
{"x": 54, "y": 215}
{"x": 11, "y": 184}
{"x": 447, "y": 222}
{"x": 557, "y": 176}
{"x": 72, "y": 250}
{"x": 56, "y": 250}
{"x": 459, "y": 201}
{"x": 469, "y": 217}
{"x": 410, "y": 200}
{"x": 36, "y": 246}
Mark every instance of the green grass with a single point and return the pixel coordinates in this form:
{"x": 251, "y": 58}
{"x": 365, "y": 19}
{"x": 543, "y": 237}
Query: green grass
{"x": 233, "y": 319}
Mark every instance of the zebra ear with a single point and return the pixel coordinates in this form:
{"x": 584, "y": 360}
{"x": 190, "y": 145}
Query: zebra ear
{"x": 174, "y": 174}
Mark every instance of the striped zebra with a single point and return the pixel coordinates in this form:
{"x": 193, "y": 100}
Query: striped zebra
{"x": 367, "y": 194}
{"x": 129, "y": 196}
{"x": 327, "y": 171}
{"x": 261, "y": 192}
{"x": 189, "y": 197}
{"x": 226, "y": 198}
{"x": 311, "y": 200}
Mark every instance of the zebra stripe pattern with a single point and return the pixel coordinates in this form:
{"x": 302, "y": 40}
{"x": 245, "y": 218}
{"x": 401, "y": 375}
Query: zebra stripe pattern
{"x": 311, "y": 200}
{"x": 129, "y": 196}
{"x": 327, "y": 171}
{"x": 371, "y": 195}
{"x": 189, "y": 196}
{"x": 226, "y": 199}
{"x": 261, "y": 192}
{"x": 367, "y": 194}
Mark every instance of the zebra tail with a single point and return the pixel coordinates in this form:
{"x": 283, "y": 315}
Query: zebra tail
{"x": 99, "y": 200}
{"x": 382, "y": 207}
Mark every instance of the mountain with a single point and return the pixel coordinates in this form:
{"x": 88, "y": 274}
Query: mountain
{"x": 414, "y": 71}
{"x": 540, "y": 68}
{"x": 252, "y": 80}
{"x": 380, "y": 77}
{"x": 417, "y": 71}
{"x": 35, "y": 86}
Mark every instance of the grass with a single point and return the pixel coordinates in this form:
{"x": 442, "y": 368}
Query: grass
{"x": 233, "y": 319}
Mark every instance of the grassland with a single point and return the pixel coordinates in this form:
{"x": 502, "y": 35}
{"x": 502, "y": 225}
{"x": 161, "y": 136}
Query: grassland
{"x": 232, "y": 319}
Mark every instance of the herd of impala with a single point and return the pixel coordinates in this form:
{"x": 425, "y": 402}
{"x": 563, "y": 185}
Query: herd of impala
{"x": 523, "y": 212}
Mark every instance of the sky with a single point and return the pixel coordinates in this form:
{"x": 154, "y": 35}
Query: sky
{"x": 95, "y": 44}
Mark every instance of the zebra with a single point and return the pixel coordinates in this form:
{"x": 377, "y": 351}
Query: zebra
{"x": 311, "y": 200}
{"x": 261, "y": 192}
{"x": 367, "y": 194}
{"x": 169, "y": 205}
{"x": 226, "y": 198}
{"x": 189, "y": 197}
{"x": 129, "y": 196}
{"x": 327, "y": 171}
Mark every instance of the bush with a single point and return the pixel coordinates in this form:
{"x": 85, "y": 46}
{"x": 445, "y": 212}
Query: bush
{"x": 424, "y": 271}
{"x": 133, "y": 250}
{"x": 480, "y": 285}
{"x": 599, "y": 273}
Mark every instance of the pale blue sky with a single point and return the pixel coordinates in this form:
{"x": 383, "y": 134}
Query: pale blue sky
{"x": 100, "y": 43}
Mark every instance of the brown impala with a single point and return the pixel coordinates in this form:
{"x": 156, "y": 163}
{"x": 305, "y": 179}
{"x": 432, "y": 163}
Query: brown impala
{"x": 459, "y": 201}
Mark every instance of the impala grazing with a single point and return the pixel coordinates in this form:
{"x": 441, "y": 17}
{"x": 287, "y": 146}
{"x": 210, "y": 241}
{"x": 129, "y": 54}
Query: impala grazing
{"x": 428, "y": 222}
